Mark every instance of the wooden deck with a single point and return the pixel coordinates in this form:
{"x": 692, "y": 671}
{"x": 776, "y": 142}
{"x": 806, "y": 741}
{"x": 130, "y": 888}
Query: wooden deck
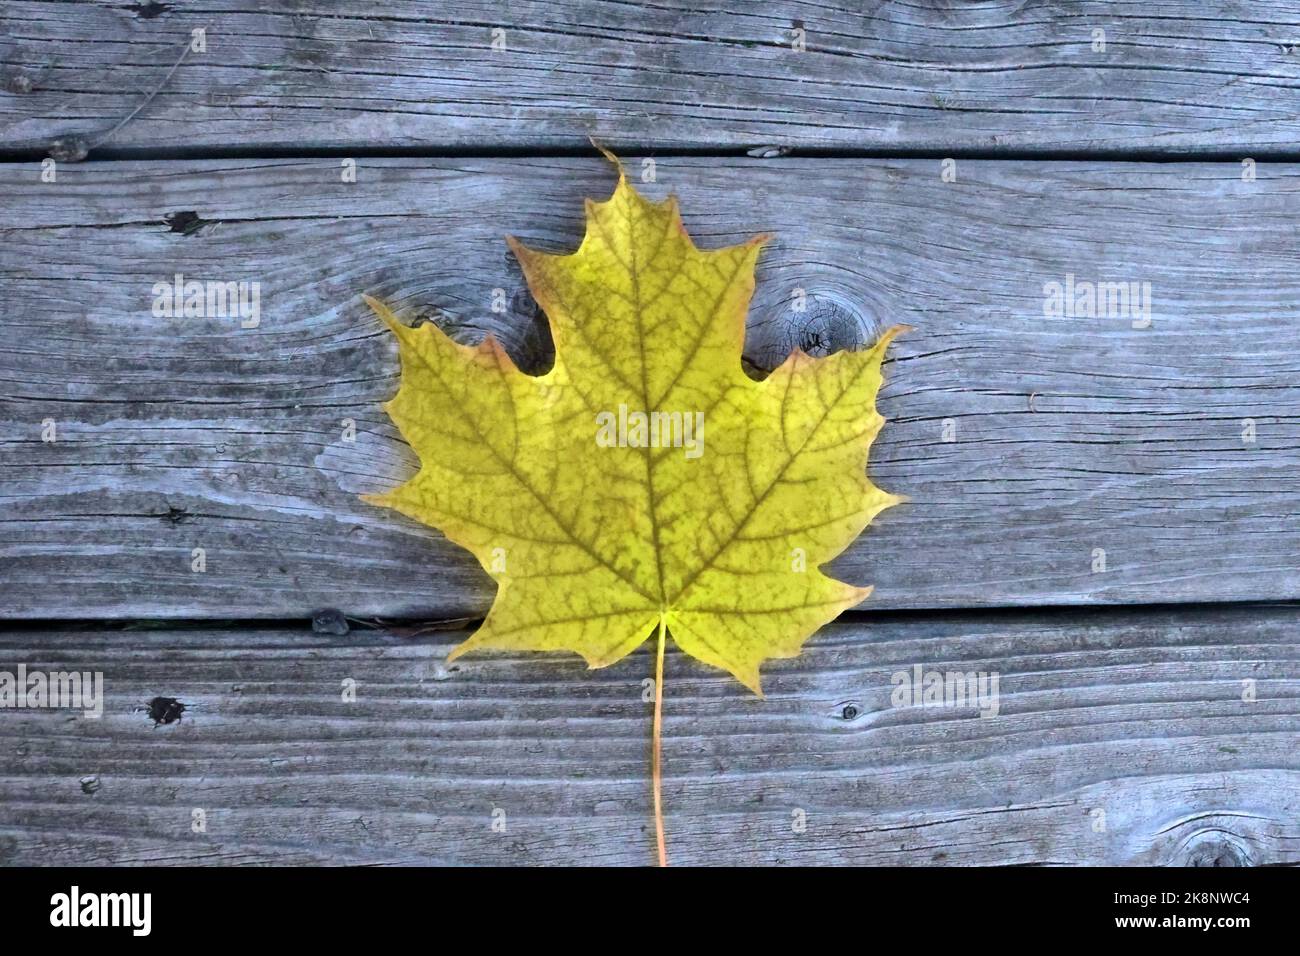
{"x": 1104, "y": 509}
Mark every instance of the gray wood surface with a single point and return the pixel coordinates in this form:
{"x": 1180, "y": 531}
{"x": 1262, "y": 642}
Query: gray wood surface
{"x": 1121, "y": 738}
{"x": 1028, "y": 443}
{"x": 1071, "y": 434}
{"x": 1178, "y": 76}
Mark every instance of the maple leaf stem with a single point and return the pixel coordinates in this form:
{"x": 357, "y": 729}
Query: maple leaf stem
{"x": 656, "y": 772}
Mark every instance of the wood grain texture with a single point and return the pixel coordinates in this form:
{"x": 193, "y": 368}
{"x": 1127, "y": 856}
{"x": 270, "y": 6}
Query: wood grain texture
{"x": 1071, "y": 434}
{"x": 1176, "y": 76}
{"x": 1121, "y": 738}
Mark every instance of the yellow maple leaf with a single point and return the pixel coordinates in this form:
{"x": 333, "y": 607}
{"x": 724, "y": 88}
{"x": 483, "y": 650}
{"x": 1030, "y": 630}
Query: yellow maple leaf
{"x": 645, "y": 482}
{"x": 645, "y": 479}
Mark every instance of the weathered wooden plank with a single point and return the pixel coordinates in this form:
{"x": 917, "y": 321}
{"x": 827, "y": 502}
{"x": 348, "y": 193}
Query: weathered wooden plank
{"x": 1071, "y": 434}
{"x": 1007, "y": 75}
{"x": 1119, "y": 738}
